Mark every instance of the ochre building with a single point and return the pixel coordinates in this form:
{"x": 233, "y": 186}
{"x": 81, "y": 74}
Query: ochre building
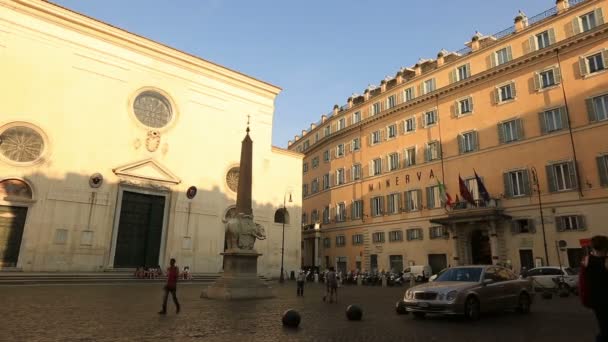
{"x": 118, "y": 152}
{"x": 526, "y": 109}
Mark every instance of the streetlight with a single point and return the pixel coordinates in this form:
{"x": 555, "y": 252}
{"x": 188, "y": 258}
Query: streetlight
{"x": 540, "y": 208}
{"x": 282, "y": 277}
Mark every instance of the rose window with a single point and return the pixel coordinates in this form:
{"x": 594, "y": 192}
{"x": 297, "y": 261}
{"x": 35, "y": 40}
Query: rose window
{"x": 21, "y": 144}
{"x": 152, "y": 109}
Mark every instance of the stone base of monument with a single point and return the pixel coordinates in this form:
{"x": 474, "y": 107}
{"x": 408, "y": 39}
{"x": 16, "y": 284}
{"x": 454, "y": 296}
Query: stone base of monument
{"x": 240, "y": 278}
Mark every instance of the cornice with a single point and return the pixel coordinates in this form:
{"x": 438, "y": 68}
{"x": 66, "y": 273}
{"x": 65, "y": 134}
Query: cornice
{"x": 72, "y": 20}
{"x": 449, "y": 89}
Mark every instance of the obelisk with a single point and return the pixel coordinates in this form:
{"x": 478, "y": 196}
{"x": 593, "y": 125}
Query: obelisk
{"x": 240, "y": 279}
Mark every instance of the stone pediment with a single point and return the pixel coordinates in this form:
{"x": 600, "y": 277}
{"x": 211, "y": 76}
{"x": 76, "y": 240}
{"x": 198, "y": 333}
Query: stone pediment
{"x": 148, "y": 169}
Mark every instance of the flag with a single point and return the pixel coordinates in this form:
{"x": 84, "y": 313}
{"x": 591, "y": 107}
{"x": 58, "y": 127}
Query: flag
{"x": 445, "y": 197}
{"x": 483, "y": 192}
{"x": 464, "y": 191}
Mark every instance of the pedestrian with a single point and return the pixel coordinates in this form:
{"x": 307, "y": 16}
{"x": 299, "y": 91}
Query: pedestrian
{"x": 301, "y": 279}
{"x": 593, "y": 283}
{"x": 331, "y": 282}
{"x": 171, "y": 286}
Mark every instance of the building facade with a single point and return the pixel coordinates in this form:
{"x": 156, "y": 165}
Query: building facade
{"x": 118, "y": 152}
{"x": 524, "y": 109}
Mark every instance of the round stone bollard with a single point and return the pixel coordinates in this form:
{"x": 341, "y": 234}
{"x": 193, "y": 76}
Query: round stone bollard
{"x": 354, "y": 313}
{"x": 400, "y": 308}
{"x": 291, "y": 318}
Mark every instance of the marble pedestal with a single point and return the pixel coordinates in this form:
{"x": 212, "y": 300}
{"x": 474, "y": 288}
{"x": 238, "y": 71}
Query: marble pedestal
{"x": 240, "y": 278}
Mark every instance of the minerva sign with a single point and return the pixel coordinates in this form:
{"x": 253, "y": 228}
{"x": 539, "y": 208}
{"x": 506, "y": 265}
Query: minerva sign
{"x": 404, "y": 179}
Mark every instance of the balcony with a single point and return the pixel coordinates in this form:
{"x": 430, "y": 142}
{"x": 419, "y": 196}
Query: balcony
{"x": 480, "y": 210}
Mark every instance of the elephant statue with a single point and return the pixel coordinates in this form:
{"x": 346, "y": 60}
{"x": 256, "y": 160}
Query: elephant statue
{"x": 241, "y": 232}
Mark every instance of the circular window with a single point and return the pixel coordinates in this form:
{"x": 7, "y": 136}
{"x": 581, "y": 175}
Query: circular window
{"x": 152, "y": 109}
{"x": 21, "y": 144}
{"x": 232, "y": 179}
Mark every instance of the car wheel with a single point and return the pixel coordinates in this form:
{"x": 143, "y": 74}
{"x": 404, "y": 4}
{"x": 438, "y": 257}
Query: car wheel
{"x": 471, "y": 308}
{"x": 419, "y": 315}
{"x": 523, "y": 305}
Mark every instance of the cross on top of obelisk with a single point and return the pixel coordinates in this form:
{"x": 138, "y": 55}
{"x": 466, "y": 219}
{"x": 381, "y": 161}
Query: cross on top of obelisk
{"x": 248, "y": 124}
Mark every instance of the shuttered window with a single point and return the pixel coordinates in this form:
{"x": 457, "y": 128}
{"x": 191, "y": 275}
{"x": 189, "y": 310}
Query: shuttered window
{"x": 433, "y": 198}
{"x": 510, "y": 131}
{"x": 377, "y": 206}
{"x": 414, "y": 234}
{"x": 602, "y": 166}
{"x": 553, "y": 120}
{"x": 395, "y": 236}
{"x": 438, "y": 232}
{"x": 413, "y": 200}
{"x": 378, "y": 237}
{"x": 326, "y": 215}
{"x": 409, "y": 124}
{"x": 467, "y": 142}
{"x": 593, "y": 63}
{"x": 570, "y": 223}
{"x": 340, "y": 241}
{"x": 340, "y": 176}
{"x": 597, "y": 108}
{"x": 357, "y": 239}
{"x": 340, "y": 212}
{"x": 393, "y": 203}
{"x": 561, "y": 176}
{"x": 410, "y": 156}
{"x": 356, "y": 173}
{"x": 503, "y": 55}
{"x": 517, "y": 183}
{"x": 433, "y": 151}
{"x": 357, "y": 210}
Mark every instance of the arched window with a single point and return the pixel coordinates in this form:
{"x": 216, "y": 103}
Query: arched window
{"x": 281, "y": 216}
{"x": 15, "y": 190}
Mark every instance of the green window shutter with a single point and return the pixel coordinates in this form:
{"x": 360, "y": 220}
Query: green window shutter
{"x": 475, "y": 137}
{"x": 460, "y": 139}
{"x": 471, "y": 103}
{"x": 419, "y": 198}
{"x": 526, "y": 183}
{"x": 551, "y": 181}
{"x": 495, "y": 96}
{"x": 507, "y": 183}
{"x": 599, "y": 17}
{"x": 537, "y": 81}
{"x": 453, "y": 77}
{"x": 501, "y": 134}
{"x": 434, "y": 83}
{"x": 582, "y": 66}
{"x": 408, "y": 202}
{"x": 557, "y": 74}
{"x": 531, "y": 226}
{"x": 543, "y": 125}
{"x": 573, "y": 175}
{"x": 551, "y": 32}
{"x": 531, "y": 47}
{"x": 576, "y": 26}
{"x": 581, "y": 222}
{"x": 591, "y": 110}
{"x": 382, "y": 210}
{"x": 563, "y": 113}
{"x": 455, "y": 108}
{"x": 559, "y": 224}
{"x": 439, "y": 153}
{"x": 352, "y": 212}
{"x": 491, "y": 60}
{"x": 429, "y": 197}
{"x": 513, "y": 90}
{"x": 519, "y": 123}
{"x": 509, "y": 53}
{"x": 605, "y": 57}
{"x": 427, "y": 153}
{"x": 602, "y": 169}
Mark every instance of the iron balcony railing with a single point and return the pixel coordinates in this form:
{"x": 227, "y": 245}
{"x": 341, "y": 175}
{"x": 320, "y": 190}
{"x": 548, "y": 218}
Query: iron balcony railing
{"x": 478, "y": 204}
{"x": 542, "y": 16}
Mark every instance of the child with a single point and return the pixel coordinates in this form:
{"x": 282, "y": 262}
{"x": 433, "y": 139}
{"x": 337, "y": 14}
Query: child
{"x": 186, "y": 274}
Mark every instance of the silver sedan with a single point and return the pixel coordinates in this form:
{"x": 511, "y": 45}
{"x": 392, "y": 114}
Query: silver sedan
{"x": 470, "y": 290}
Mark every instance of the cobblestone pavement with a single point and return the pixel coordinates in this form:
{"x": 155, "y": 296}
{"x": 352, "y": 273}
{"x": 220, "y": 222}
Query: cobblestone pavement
{"x": 128, "y": 313}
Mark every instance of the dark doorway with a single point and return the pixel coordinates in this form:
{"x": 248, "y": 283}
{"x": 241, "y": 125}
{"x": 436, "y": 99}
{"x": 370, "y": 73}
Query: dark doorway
{"x": 12, "y": 222}
{"x": 373, "y": 261}
{"x": 139, "y": 230}
{"x": 481, "y": 251}
{"x": 526, "y": 258}
{"x": 438, "y": 262}
{"x": 575, "y": 257}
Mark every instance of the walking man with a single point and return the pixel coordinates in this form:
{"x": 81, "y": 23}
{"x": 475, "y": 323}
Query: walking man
{"x": 301, "y": 279}
{"x": 171, "y": 286}
{"x": 594, "y": 283}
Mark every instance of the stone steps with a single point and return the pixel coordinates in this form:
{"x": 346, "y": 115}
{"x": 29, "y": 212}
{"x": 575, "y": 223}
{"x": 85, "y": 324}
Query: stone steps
{"x": 56, "y": 278}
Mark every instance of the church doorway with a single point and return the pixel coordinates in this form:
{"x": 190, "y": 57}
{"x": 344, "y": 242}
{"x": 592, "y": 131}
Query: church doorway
{"x": 12, "y": 222}
{"x": 140, "y": 228}
{"x": 481, "y": 251}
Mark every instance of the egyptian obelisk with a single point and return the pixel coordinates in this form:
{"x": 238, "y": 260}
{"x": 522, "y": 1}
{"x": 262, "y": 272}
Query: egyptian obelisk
{"x": 240, "y": 279}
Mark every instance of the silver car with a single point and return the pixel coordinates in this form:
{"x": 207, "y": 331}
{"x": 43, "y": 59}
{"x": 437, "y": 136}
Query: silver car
{"x": 470, "y": 290}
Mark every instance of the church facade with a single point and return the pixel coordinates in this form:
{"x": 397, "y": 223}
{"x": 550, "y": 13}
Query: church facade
{"x": 118, "y": 152}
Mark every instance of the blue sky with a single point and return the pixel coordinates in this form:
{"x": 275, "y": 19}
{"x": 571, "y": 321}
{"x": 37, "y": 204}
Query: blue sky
{"x": 319, "y": 52}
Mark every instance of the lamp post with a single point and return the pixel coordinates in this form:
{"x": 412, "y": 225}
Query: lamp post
{"x": 282, "y": 277}
{"x": 540, "y": 208}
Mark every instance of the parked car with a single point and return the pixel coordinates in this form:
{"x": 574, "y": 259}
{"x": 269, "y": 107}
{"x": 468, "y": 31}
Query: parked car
{"x": 469, "y": 291}
{"x": 549, "y": 277}
{"x": 419, "y": 272}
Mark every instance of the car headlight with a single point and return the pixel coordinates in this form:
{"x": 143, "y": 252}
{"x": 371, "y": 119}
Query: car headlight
{"x": 451, "y": 296}
{"x": 409, "y": 294}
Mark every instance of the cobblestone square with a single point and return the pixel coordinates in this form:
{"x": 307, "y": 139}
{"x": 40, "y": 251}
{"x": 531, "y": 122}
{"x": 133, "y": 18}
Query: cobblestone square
{"x": 129, "y": 313}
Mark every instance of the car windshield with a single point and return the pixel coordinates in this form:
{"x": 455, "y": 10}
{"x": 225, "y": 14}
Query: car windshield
{"x": 472, "y": 274}
{"x": 570, "y": 271}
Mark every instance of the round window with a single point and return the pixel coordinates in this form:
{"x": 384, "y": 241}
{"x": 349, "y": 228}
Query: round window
{"x": 21, "y": 144}
{"x": 152, "y": 109}
{"x": 232, "y": 179}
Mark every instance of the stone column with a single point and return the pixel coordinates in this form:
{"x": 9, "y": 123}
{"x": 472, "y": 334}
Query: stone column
{"x": 316, "y": 254}
{"x": 494, "y": 242}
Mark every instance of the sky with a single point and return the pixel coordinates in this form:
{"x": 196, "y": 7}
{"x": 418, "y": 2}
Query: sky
{"x": 318, "y": 52}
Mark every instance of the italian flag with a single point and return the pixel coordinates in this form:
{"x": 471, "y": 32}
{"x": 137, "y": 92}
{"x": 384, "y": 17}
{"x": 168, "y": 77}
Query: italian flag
{"x": 445, "y": 197}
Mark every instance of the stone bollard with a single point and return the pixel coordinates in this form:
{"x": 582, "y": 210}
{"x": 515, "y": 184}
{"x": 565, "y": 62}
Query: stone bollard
{"x": 359, "y": 280}
{"x": 412, "y": 281}
{"x": 316, "y": 277}
{"x": 383, "y": 280}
